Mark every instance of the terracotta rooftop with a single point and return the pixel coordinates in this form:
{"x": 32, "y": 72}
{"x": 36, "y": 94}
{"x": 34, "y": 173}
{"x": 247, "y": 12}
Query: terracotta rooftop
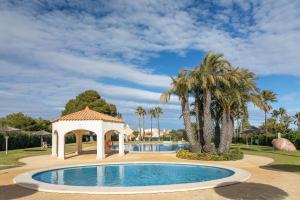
{"x": 88, "y": 114}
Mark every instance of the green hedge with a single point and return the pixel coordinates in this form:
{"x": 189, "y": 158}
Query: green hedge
{"x": 232, "y": 154}
{"x": 293, "y": 137}
{"x": 260, "y": 137}
{"x": 21, "y": 140}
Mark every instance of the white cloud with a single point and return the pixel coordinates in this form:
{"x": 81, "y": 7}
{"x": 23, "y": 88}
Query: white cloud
{"x": 291, "y": 98}
{"x": 136, "y": 30}
{"x": 57, "y": 53}
{"x": 102, "y": 68}
{"x": 32, "y": 94}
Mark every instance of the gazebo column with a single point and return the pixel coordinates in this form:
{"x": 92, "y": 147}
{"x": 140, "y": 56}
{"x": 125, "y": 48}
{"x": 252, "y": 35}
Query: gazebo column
{"x": 100, "y": 146}
{"x": 121, "y": 144}
{"x": 61, "y": 146}
{"x": 54, "y": 144}
{"x": 78, "y": 135}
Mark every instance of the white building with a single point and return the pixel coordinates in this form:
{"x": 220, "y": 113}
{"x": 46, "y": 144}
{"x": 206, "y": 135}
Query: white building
{"x": 87, "y": 120}
{"x": 129, "y": 133}
{"x": 155, "y": 132}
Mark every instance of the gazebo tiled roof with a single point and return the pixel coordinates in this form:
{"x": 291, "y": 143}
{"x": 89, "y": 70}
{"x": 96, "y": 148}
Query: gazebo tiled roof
{"x": 88, "y": 114}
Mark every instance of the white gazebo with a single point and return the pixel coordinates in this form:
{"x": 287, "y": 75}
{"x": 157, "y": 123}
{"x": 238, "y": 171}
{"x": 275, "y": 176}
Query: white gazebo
{"x": 82, "y": 121}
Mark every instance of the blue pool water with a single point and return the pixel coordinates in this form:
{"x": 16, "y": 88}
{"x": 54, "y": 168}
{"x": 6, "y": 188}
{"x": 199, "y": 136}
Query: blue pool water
{"x": 151, "y": 147}
{"x": 126, "y": 175}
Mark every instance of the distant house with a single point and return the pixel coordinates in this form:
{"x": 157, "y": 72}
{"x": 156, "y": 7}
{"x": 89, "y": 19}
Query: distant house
{"x": 155, "y": 132}
{"x": 129, "y": 133}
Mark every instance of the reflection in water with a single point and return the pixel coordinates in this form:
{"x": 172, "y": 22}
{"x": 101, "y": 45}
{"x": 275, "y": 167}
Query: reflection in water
{"x": 60, "y": 177}
{"x": 151, "y": 147}
{"x": 121, "y": 174}
{"x": 100, "y": 175}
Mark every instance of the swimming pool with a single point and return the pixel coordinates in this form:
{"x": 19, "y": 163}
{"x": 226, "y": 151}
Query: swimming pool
{"x": 131, "y": 178}
{"x": 127, "y": 175}
{"x": 148, "y": 147}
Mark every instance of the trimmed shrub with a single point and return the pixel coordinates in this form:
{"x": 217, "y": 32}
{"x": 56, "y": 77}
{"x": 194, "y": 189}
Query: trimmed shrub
{"x": 232, "y": 154}
{"x": 294, "y": 137}
{"x": 22, "y": 139}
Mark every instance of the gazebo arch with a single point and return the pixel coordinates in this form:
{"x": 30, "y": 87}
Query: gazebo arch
{"x": 86, "y": 120}
{"x": 108, "y": 139}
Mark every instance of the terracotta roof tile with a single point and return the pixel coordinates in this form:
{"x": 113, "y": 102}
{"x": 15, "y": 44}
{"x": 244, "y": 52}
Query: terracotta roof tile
{"x": 88, "y": 114}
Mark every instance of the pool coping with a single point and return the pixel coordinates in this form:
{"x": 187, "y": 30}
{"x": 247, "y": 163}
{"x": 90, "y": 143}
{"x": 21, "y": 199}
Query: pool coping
{"x": 25, "y": 180}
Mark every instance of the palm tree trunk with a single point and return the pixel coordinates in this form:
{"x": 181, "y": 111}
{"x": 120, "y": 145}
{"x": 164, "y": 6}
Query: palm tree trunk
{"x": 230, "y": 131}
{"x": 239, "y": 122}
{"x": 143, "y": 128}
{"x": 224, "y": 132}
{"x": 158, "y": 126}
{"x": 217, "y": 133}
{"x": 266, "y": 128}
{"x": 194, "y": 147}
{"x": 140, "y": 135}
{"x": 227, "y": 131}
{"x": 151, "y": 126}
{"x": 199, "y": 119}
{"x": 207, "y": 125}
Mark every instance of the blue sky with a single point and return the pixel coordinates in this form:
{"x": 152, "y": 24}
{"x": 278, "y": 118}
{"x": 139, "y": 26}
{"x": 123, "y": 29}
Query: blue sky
{"x": 52, "y": 50}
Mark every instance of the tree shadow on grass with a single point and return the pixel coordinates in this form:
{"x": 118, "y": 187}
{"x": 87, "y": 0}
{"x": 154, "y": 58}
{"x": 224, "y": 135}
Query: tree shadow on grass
{"x": 72, "y": 154}
{"x": 251, "y": 191}
{"x": 9, "y": 192}
{"x": 282, "y": 167}
{"x": 35, "y": 149}
{"x": 85, "y": 152}
{"x": 115, "y": 152}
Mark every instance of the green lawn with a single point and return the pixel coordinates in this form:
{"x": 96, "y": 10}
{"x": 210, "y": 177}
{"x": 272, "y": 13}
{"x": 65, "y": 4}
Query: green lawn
{"x": 14, "y": 155}
{"x": 286, "y": 161}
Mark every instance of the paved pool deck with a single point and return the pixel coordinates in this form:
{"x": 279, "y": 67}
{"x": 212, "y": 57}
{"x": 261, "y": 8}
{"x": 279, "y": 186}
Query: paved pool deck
{"x": 264, "y": 183}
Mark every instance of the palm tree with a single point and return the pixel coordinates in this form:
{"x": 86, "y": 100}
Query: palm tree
{"x": 197, "y": 112}
{"x": 268, "y": 97}
{"x": 158, "y": 111}
{"x": 141, "y": 113}
{"x": 283, "y": 118}
{"x": 287, "y": 120}
{"x": 275, "y": 115}
{"x": 216, "y": 111}
{"x": 143, "y": 124}
{"x": 282, "y": 113}
{"x": 221, "y": 96}
{"x": 234, "y": 99}
{"x": 207, "y": 76}
{"x": 152, "y": 114}
{"x": 181, "y": 87}
{"x": 297, "y": 122}
{"x": 197, "y": 92}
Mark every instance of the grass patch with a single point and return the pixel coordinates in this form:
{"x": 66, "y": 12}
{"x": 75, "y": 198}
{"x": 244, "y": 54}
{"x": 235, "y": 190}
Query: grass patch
{"x": 13, "y": 156}
{"x": 285, "y": 161}
{"x": 232, "y": 154}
